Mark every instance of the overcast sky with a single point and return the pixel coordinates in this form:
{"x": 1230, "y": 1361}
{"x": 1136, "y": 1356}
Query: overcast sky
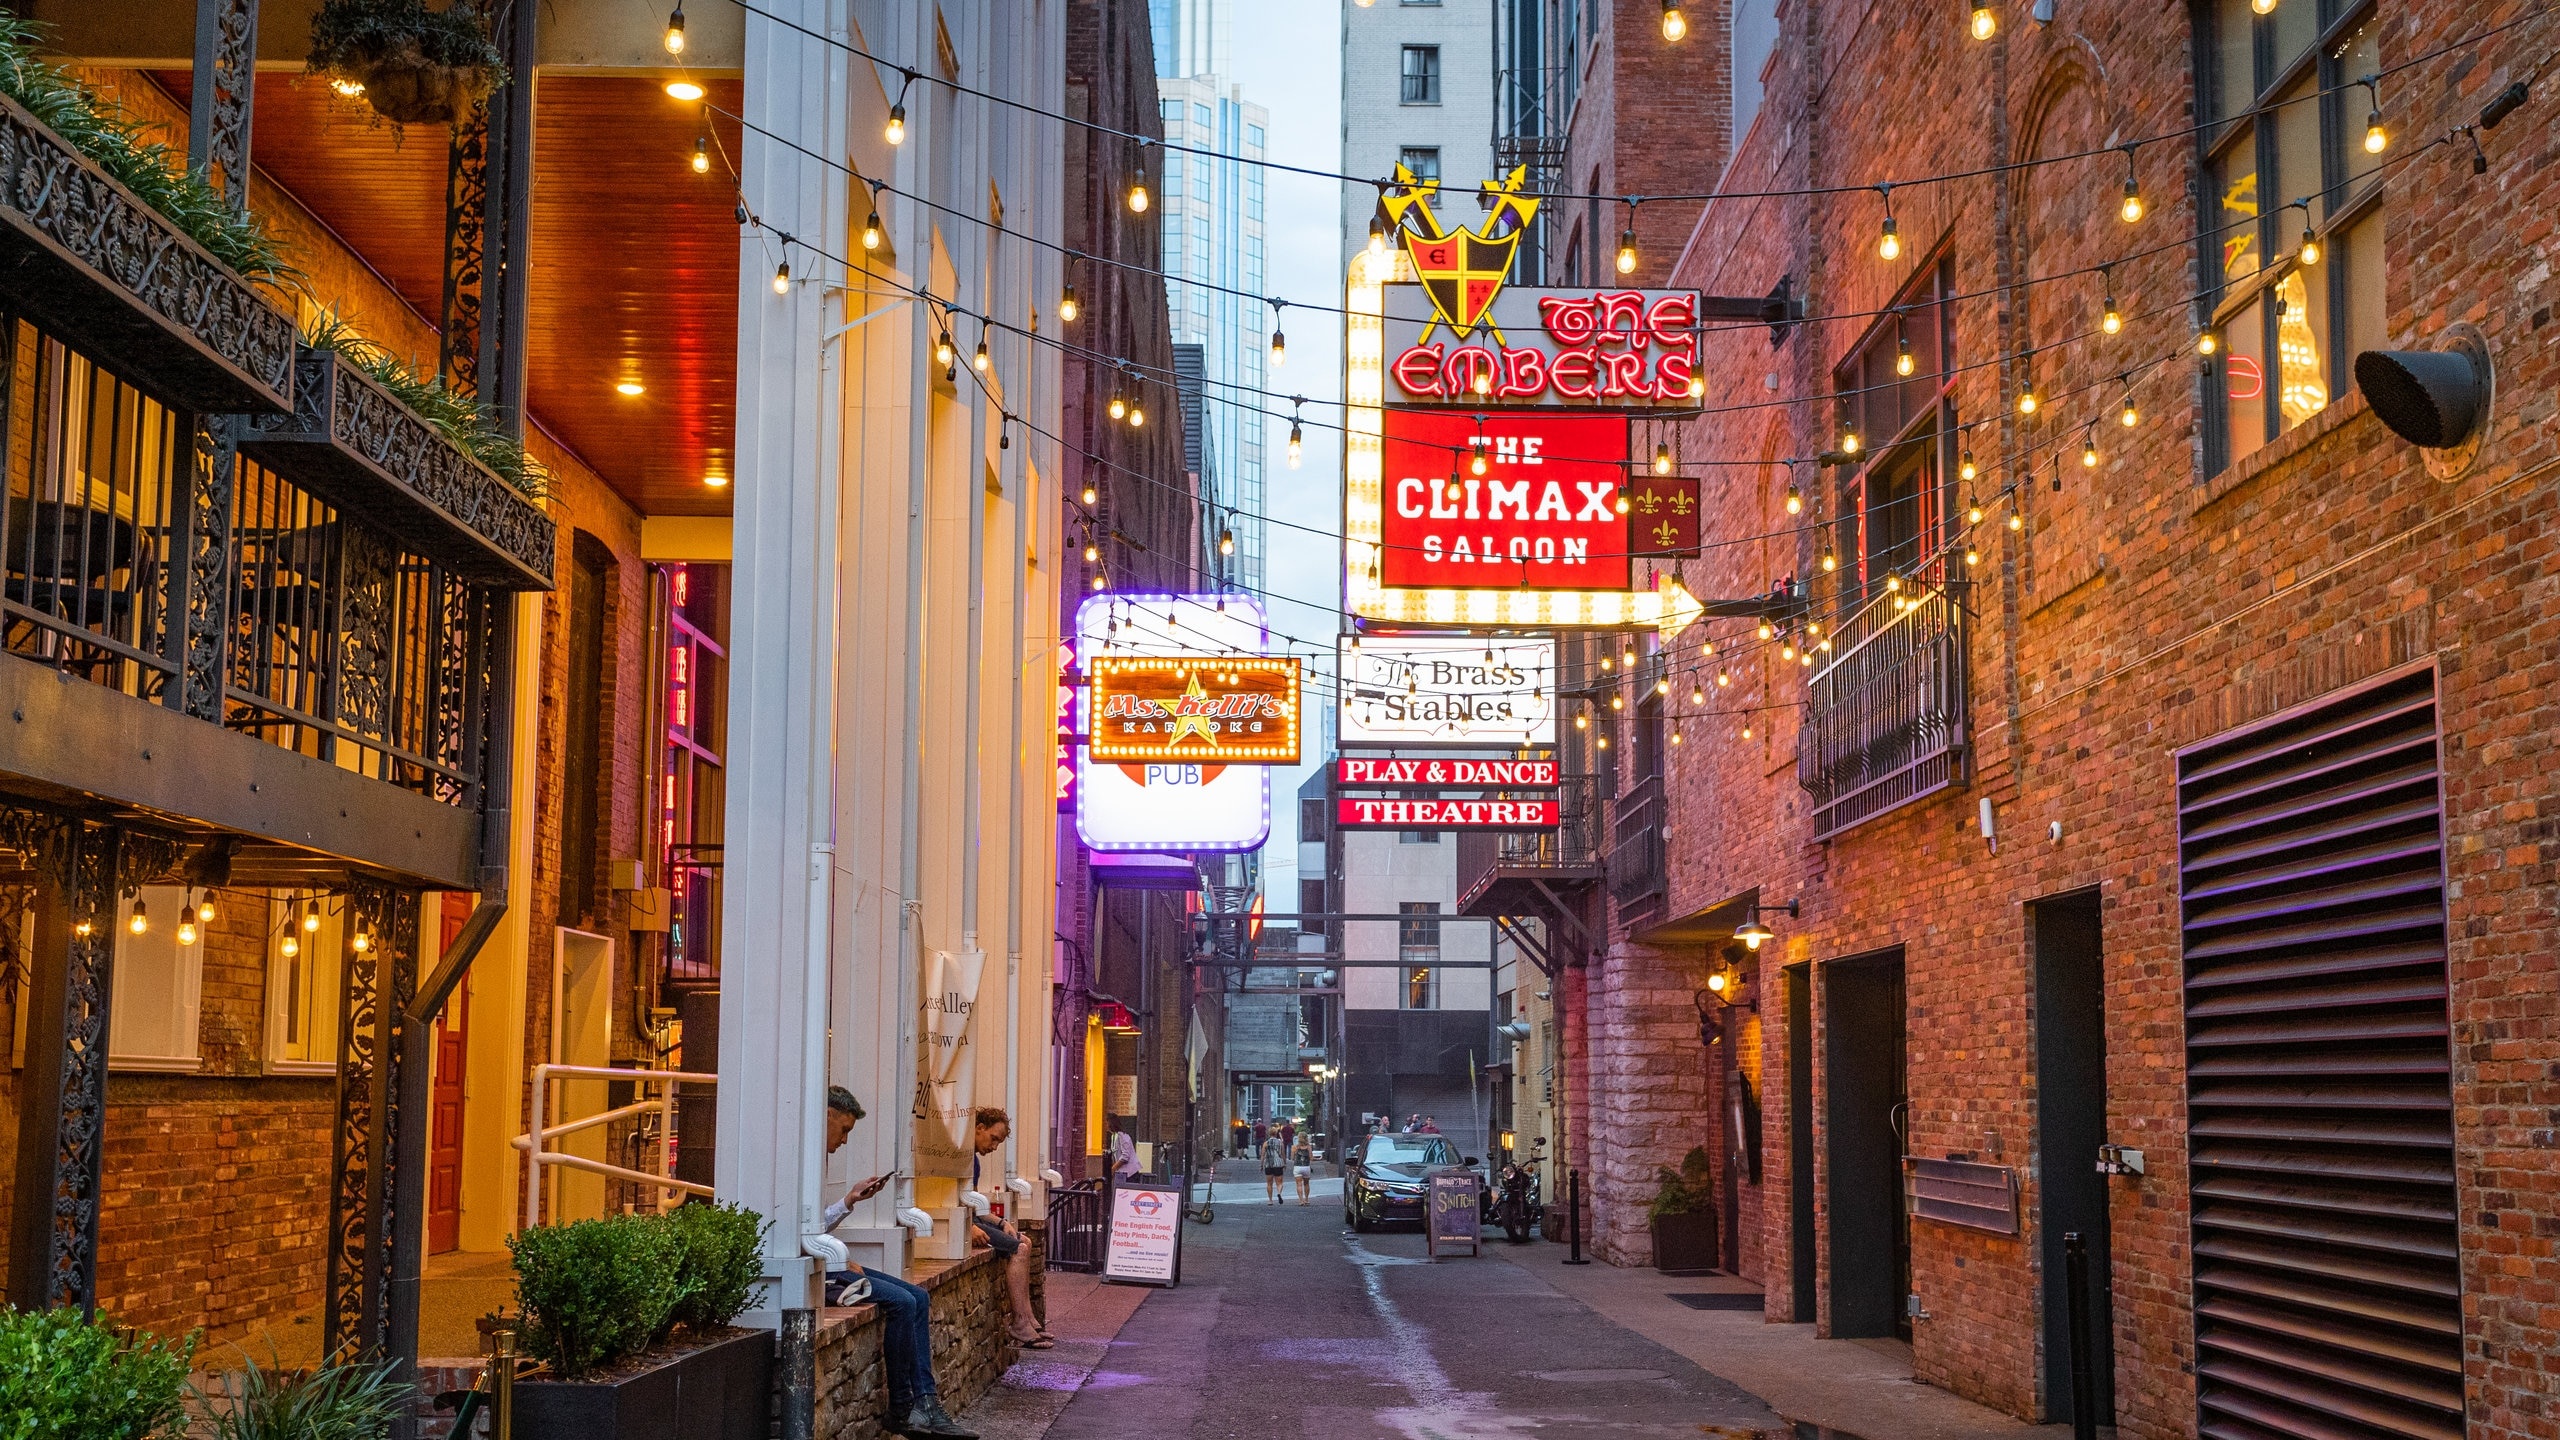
{"x": 1288, "y": 57}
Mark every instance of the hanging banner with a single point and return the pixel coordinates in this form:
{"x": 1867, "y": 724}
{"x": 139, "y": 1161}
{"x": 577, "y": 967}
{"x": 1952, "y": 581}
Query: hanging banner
{"x": 1354, "y": 813}
{"x": 945, "y": 1126}
{"x": 1358, "y": 772}
{"x": 1441, "y": 690}
{"x": 1662, "y": 515}
{"x": 1212, "y": 709}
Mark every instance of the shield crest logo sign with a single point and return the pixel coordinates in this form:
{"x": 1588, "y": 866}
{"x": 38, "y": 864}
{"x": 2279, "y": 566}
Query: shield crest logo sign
{"x": 1461, "y": 270}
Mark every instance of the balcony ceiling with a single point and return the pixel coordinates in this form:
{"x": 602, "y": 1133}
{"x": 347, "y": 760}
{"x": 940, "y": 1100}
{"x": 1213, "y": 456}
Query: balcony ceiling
{"x": 635, "y": 260}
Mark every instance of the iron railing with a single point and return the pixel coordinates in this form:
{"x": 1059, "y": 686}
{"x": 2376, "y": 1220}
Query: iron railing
{"x": 1635, "y": 848}
{"x": 693, "y": 929}
{"x": 1885, "y": 721}
{"x": 1079, "y": 1215}
{"x": 1575, "y": 842}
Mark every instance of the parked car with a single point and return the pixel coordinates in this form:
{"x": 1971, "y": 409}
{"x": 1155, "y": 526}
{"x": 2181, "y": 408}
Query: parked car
{"x": 1386, "y": 1175}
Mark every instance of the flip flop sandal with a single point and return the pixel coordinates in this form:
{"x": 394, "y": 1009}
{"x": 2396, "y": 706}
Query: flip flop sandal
{"x": 1038, "y": 1342}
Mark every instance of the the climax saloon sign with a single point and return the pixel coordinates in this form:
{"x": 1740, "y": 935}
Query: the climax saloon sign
{"x": 1576, "y": 349}
{"x": 1214, "y": 710}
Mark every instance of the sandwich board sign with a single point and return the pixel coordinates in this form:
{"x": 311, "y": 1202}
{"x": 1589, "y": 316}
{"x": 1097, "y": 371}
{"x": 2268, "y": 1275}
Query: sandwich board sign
{"x": 1145, "y": 1243}
{"x": 1449, "y": 1214}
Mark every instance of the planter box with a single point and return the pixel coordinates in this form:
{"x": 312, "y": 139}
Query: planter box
{"x": 722, "y": 1390}
{"x": 1685, "y": 1244}
{"x": 354, "y": 444}
{"x": 81, "y": 256}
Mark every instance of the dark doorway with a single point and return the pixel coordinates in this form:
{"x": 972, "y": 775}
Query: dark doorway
{"x": 2071, "y": 1123}
{"x": 1866, "y": 1117}
{"x": 1800, "y": 1141}
{"x": 581, "y": 771}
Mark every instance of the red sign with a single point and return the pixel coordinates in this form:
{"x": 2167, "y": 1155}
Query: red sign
{"x": 1544, "y": 514}
{"x": 1446, "y": 774}
{"x": 1662, "y": 514}
{"x": 1352, "y": 813}
{"x": 1565, "y": 348}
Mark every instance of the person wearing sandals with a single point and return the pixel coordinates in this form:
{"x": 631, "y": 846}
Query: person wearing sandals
{"x": 1275, "y": 1161}
{"x": 1003, "y": 1237}
{"x": 1302, "y": 1163}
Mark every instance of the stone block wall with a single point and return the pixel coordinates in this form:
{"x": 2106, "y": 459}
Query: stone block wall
{"x": 971, "y": 1347}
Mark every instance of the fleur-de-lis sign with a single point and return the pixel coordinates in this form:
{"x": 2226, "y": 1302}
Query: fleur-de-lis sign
{"x": 1665, "y": 533}
{"x": 1681, "y": 504}
{"x": 1647, "y": 501}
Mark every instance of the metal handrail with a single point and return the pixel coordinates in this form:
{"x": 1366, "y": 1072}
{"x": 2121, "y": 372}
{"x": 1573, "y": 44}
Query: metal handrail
{"x": 536, "y": 1142}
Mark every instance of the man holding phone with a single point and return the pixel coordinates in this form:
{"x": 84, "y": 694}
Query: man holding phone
{"x": 915, "y": 1404}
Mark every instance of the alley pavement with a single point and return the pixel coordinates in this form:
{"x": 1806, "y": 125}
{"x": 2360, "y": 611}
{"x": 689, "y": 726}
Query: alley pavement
{"x": 1287, "y": 1324}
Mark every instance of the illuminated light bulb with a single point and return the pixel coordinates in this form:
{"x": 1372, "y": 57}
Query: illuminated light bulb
{"x": 897, "y": 131}
{"x": 1226, "y": 542}
{"x": 2376, "y": 139}
{"x": 347, "y": 90}
{"x": 361, "y": 944}
{"x": 1662, "y": 686}
{"x": 2112, "y": 319}
{"x": 1675, "y": 25}
{"x": 1088, "y": 494}
{"x": 1483, "y": 384}
{"x": 1092, "y": 552}
{"x": 1765, "y": 630}
{"x": 1697, "y": 693}
{"x": 1476, "y": 461}
{"x": 1068, "y": 308}
{"x": 1965, "y": 468}
{"x": 1377, "y": 236}
{"x": 1629, "y": 659}
{"x": 1137, "y": 415}
{"x": 684, "y": 90}
{"x": 980, "y": 359}
{"x": 2089, "y": 453}
{"x": 1697, "y": 386}
{"x": 1097, "y": 582}
{"x": 2131, "y": 209}
{"x": 1904, "y": 362}
{"x": 289, "y": 947}
{"x": 1621, "y": 505}
{"x": 1294, "y": 445}
{"x": 629, "y": 387}
{"x": 310, "y": 916}
{"x": 204, "y": 909}
{"x": 701, "y": 154}
{"x": 1138, "y": 201}
{"x": 1627, "y": 252}
{"x": 1279, "y": 349}
{"x": 1795, "y": 501}
{"x": 1746, "y": 734}
{"x": 871, "y": 241}
{"x": 2310, "y": 251}
{"x": 675, "y": 32}
{"x": 716, "y": 480}
{"x": 1119, "y": 406}
{"x": 2017, "y": 521}
{"x": 782, "y": 278}
{"x": 2129, "y": 415}
{"x": 1830, "y": 562}
{"x": 1456, "y": 490}
{"x": 1972, "y": 512}
{"x": 1889, "y": 242}
{"x": 1661, "y": 459}
{"x": 1892, "y": 582}
{"x": 1608, "y": 662}
{"x": 1805, "y": 659}
{"x": 2263, "y": 7}
{"x": 1604, "y": 742}
{"x": 942, "y": 350}
{"x": 1675, "y": 736}
{"x": 187, "y": 932}
{"x": 1723, "y": 679}
{"x": 140, "y": 923}
{"x": 1985, "y": 23}
{"x": 1848, "y": 439}
{"x": 1581, "y": 722}
{"x": 1972, "y": 556}
{"x": 2027, "y": 400}
{"x": 2207, "y": 342}
{"x": 1787, "y": 651}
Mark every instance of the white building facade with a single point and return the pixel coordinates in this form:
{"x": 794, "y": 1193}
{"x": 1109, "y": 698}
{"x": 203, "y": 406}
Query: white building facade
{"x": 1417, "y": 90}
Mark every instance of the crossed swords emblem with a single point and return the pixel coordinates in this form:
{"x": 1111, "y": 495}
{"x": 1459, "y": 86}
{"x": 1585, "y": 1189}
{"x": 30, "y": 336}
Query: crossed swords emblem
{"x": 1462, "y": 269}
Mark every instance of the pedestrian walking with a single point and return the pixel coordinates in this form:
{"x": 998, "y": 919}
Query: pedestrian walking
{"x": 1275, "y": 1159}
{"x": 1302, "y": 1163}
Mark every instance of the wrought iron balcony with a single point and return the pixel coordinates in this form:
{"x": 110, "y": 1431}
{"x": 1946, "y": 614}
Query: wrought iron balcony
{"x": 1570, "y": 852}
{"x": 1635, "y": 846}
{"x": 1885, "y": 721}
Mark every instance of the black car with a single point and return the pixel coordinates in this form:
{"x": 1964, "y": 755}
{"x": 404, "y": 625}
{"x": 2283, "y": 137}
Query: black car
{"x": 1384, "y": 1178}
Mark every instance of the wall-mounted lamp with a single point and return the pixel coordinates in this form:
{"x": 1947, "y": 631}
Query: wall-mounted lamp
{"x": 1753, "y": 933}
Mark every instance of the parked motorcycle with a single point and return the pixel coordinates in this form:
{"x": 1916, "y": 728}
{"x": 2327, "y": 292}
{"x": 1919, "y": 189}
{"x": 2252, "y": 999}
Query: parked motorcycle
{"x": 1519, "y": 1207}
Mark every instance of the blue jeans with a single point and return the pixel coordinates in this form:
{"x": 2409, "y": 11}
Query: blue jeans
{"x": 906, "y": 1337}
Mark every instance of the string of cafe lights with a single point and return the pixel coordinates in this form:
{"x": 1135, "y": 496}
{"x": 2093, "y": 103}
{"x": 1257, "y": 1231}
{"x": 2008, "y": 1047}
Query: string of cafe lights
{"x": 895, "y": 131}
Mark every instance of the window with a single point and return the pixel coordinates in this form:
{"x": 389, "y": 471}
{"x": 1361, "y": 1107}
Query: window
{"x": 1417, "y": 837}
{"x": 1172, "y": 110}
{"x": 1421, "y": 75}
{"x": 1312, "y": 819}
{"x": 690, "y": 606}
{"x": 1173, "y": 251}
{"x": 1310, "y": 902}
{"x": 2288, "y": 125}
{"x": 1173, "y": 175}
{"x": 1891, "y": 508}
{"x": 151, "y": 1015}
{"x": 1201, "y": 117}
{"x": 1253, "y": 139}
{"x": 1253, "y": 192}
{"x": 1422, "y": 160}
{"x": 1418, "y": 950}
{"x": 305, "y": 958}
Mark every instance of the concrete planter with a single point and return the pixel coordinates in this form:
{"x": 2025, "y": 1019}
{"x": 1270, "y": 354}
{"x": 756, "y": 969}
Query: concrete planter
{"x": 1685, "y": 1244}
{"x": 718, "y": 1390}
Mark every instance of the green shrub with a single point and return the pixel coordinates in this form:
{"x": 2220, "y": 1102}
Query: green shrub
{"x": 100, "y": 129}
{"x": 1690, "y": 1188}
{"x": 344, "y": 1401}
{"x": 65, "y": 1377}
{"x": 459, "y": 418}
{"x": 720, "y": 1252}
{"x": 594, "y": 1291}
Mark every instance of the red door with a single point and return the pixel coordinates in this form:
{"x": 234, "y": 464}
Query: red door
{"x": 444, "y": 1099}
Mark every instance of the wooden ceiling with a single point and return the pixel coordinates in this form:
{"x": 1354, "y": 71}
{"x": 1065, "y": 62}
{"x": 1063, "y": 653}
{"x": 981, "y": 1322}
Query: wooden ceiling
{"x": 634, "y": 263}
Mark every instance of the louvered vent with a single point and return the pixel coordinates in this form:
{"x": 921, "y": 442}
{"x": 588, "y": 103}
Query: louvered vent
{"x": 2328, "y": 1299}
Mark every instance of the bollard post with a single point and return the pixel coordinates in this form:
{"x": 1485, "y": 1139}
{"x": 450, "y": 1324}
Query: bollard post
{"x": 796, "y": 1355}
{"x": 502, "y": 1381}
{"x": 1573, "y": 1216}
{"x": 2084, "y": 1384}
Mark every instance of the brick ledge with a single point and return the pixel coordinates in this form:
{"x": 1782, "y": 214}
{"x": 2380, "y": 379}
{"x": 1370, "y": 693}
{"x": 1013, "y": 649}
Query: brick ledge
{"x": 2333, "y": 417}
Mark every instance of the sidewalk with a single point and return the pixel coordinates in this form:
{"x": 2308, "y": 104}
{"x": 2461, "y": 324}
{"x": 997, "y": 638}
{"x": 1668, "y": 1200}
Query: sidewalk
{"x": 1085, "y": 1315}
{"x": 1851, "y": 1388}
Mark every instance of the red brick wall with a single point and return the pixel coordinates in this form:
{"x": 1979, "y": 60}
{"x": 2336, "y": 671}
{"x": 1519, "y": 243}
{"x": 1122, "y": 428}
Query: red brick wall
{"x": 2146, "y": 606}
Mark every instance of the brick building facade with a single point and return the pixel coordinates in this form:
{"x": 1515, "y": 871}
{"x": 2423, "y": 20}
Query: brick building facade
{"x": 2046, "y": 944}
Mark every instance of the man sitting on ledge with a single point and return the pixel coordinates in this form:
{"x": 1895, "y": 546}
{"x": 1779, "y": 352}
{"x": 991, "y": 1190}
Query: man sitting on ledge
{"x": 906, "y": 1312}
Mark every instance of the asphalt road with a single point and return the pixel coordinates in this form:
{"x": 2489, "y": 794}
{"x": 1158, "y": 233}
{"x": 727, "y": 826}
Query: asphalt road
{"x": 1288, "y": 1325}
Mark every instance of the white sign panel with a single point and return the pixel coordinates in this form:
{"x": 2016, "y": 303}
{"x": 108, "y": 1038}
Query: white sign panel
{"x": 1168, "y": 806}
{"x": 1146, "y": 1235}
{"x": 1441, "y": 690}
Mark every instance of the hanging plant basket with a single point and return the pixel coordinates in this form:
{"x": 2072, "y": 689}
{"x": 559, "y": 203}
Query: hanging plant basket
{"x": 414, "y": 65}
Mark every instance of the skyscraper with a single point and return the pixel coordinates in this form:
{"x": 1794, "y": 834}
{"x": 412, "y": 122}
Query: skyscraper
{"x": 1214, "y": 263}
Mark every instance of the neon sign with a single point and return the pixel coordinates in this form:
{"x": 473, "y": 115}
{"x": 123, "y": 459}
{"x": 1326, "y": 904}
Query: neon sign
{"x": 1218, "y": 710}
{"x": 1560, "y": 348}
{"x": 1352, "y": 813}
{"x": 1546, "y": 512}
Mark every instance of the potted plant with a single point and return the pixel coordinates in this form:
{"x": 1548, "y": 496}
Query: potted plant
{"x": 414, "y": 65}
{"x": 1684, "y": 1217}
{"x": 603, "y": 1303}
{"x": 64, "y": 1376}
